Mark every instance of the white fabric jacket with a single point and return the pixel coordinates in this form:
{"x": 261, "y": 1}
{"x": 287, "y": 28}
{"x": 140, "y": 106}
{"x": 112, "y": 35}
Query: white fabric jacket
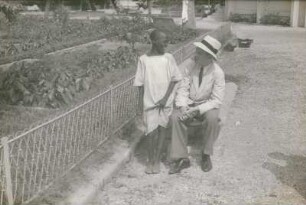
{"x": 208, "y": 95}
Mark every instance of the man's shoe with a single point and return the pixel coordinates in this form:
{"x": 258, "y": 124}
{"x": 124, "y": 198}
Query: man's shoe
{"x": 177, "y": 166}
{"x": 173, "y": 168}
{"x": 206, "y": 164}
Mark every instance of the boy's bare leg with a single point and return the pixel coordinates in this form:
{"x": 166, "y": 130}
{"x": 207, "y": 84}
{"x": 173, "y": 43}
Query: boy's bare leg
{"x": 151, "y": 146}
{"x": 162, "y": 132}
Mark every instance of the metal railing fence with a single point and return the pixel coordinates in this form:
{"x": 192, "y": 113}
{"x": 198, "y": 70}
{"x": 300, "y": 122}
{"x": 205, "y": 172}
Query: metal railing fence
{"x": 32, "y": 160}
{"x": 40, "y": 155}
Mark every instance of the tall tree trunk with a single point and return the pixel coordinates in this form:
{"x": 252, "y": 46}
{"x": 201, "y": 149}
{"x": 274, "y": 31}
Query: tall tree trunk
{"x": 47, "y": 8}
{"x": 114, "y": 3}
{"x": 191, "y": 23}
{"x": 149, "y": 5}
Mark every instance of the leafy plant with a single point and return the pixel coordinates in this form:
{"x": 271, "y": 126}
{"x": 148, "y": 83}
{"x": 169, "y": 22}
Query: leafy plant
{"x": 61, "y": 15}
{"x": 275, "y": 19}
{"x": 249, "y": 18}
{"x": 10, "y": 10}
{"x": 31, "y": 34}
{"x": 48, "y": 83}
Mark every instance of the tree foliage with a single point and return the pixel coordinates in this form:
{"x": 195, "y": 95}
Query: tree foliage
{"x": 10, "y": 10}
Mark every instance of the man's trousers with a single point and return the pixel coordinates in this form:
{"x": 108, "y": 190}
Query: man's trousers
{"x": 210, "y": 129}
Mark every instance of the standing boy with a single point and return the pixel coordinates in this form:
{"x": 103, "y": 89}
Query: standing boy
{"x": 156, "y": 76}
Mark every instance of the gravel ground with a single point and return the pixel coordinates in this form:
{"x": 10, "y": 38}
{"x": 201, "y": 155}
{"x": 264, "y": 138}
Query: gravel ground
{"x": 260, "y": 157}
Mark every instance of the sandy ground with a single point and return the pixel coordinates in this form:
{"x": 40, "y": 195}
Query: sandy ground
{"x": 260, "y": 156}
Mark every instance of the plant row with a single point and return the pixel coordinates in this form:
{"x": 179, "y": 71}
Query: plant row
{"x": 54, "y": 83}
{"x": 31, "y": 36}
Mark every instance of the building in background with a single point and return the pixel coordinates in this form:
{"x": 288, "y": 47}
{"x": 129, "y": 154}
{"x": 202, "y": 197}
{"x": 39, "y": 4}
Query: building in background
{"x": 291, "y": 12}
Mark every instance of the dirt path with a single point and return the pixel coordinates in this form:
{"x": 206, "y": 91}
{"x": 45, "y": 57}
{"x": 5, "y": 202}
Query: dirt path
{"x": 260, "y": 157}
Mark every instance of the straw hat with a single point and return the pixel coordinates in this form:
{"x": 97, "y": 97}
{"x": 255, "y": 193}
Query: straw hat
{"x": 209, "y": 45}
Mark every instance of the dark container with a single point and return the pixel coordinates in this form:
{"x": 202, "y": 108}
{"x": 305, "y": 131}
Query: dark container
{"x": 244, "y": 43}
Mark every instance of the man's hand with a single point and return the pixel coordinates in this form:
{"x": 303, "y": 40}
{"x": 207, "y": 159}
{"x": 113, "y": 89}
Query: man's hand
{"x": 184, "y": 109}
{"x": 190, "y": 113}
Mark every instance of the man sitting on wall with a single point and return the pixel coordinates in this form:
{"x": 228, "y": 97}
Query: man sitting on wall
{"x": 199, "y": 97}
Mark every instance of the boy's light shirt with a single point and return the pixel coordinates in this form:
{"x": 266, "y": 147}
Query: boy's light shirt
{"x": 155, "y": 73}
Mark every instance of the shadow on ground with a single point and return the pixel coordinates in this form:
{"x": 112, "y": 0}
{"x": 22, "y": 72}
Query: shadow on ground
{"x": 141, "y": 151}
{"x": 293, "y": 174}
{"x": 194, "y": 140}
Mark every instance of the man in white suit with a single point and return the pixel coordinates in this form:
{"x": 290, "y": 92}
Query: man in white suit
{"x": 198, "y": 98}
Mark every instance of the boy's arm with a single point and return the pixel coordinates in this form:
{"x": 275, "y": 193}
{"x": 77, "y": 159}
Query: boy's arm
{"x": 176, "y": 76}
{"x": 140, "y": 100}
{"x": 162, "y": 103}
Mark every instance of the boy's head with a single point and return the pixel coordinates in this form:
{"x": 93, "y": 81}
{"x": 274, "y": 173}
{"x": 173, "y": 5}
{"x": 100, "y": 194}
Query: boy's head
{"x": 159, "y": 41}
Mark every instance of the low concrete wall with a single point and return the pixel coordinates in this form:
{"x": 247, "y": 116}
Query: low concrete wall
{"x": 282, "y": 8}
{"x": 243, "y": 6}
{"x": 260, "y": 8}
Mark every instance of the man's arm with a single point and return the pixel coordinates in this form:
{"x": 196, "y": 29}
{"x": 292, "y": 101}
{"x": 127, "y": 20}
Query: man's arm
{"x": 217, "y": 94}
{"x": 215, "y": 100}
{"x": 176, "y": 76}
{"x": 183, "y": 88}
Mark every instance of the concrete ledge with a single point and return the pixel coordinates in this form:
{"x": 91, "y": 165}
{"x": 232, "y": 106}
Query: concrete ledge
{"x": 102, "y": 175}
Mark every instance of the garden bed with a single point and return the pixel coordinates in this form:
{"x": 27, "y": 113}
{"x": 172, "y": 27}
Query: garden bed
{"x": 34, "y": 36}
{"x": 35, "y": 84}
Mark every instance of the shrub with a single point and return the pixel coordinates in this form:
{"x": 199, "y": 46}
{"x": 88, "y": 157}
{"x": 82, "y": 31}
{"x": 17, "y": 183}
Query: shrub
{"x": 10, "y": 10}
{"x": 61, "y": 15}
{"x": 52, "y": 83}
{"x": 249, "y": 18}
{"x": 34, "y": 36}
{"x": 275, "y": 19}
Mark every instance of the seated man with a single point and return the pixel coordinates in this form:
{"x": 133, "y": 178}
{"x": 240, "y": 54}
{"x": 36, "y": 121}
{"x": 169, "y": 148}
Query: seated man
{"x": 199, "y": 97}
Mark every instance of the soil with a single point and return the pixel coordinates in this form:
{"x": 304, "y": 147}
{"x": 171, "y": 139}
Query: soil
{"x": 260, "y": 156}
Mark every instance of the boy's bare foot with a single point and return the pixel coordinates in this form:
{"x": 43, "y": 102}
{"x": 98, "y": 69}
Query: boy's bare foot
{"x": 149, "y": 169}
{"x": 156, "y": 168}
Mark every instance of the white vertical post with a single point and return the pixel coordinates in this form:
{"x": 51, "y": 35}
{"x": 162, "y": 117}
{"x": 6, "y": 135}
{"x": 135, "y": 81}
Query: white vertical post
{"x": 228, "y": 8}
{"x": 305, "y": 17}
{"x": 191, "y": 23}
{"x": 302, "y": 16}
{"x": 111, "y": 109}
{"x": 259, "y": 11}
{"x": 7, "y": 171}
{"x": 295, "y": 7}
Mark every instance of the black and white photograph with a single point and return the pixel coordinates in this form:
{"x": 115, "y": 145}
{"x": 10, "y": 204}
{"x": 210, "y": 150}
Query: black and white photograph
{"x": 152, "y": 102}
